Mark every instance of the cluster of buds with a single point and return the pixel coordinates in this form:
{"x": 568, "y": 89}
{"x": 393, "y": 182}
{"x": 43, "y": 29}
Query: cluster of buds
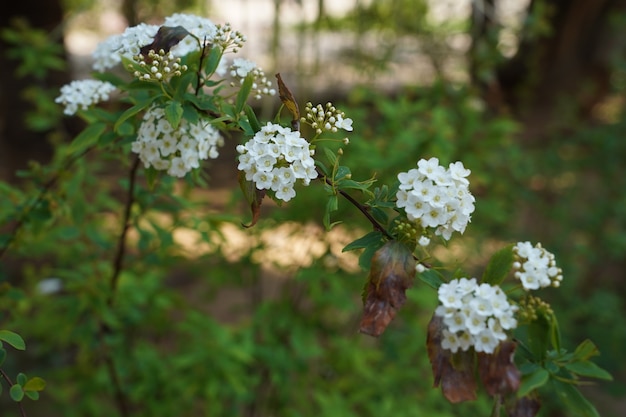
{"x": 325, "y": 118}
{"x": 157, "y": 66}
{"x": 531, "y": 307}
{"x": 228, "y": 39}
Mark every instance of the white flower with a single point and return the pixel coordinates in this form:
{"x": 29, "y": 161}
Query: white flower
{"x": 83, "y": 93}
{"x": 109, "y": 53}
{"x": 178, "y": 151}
{"x": 275, "y": 158}
{"x": 535, "y": 267}
{"x": 474, "y": 315}
{"x": 435, "y": 197}
{"x": 345, "y": 124}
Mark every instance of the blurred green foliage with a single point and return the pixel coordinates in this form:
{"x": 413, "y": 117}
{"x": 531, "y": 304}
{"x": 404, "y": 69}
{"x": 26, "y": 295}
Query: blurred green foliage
{"x": 197, "y": 334}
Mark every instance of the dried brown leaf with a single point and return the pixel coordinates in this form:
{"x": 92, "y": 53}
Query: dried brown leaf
{"x": 498, "y": 372}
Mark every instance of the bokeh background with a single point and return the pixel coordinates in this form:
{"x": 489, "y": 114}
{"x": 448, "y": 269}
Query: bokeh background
{"x": 218, "y": 320}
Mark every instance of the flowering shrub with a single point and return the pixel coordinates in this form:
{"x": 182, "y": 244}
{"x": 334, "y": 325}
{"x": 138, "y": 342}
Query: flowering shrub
{"x": 179, "y": 101}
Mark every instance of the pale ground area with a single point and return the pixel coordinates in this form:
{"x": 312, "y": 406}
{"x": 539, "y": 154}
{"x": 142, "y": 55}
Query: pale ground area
{"x": 289, "y": 245}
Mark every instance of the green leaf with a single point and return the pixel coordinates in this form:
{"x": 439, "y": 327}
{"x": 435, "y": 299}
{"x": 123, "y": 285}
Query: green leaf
{"x": 431, "y": 278}
{"x": 369, "y": 239}
{"x": 365, "y": 260}
{"x": 21, "y": 379}
{"x": 575, "y": 401}
{"x": 3, "y": 354}
{"x": 174, "y": 113}
{"x": 538, "y": 337}
{"x": 323, "y": 168}
{"x": 342, "y": 172}
{"x": 242, "y": 95}
{"x": 16, "y": 393}
{"x": 588, "y": 369}
{"x": 331, "y": 205}
{"x": 131, "y": 112}
{"x": 125, "y": 129}
{"x": 13, "y": 339}
{"x": 254, "y": 122}
{"x": 585, "y": 350}
{"x": 499, "y": 266}
{"x": 35, "y": 384}
{"x": 212, "y": 60}
{"x": 87, "y": 137}
{"x": 330, "y": 155}
{"x": 33, "y": 395}
{"x": 532, "y": 381}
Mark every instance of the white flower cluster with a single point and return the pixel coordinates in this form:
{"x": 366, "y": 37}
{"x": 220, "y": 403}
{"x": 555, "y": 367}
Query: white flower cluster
{"x": 161, "y": 66}
{"x": 178, "y": 151}
{"x": 474, "y": 315}
{"x": 275, "y": 158}
{"x": 240, "y": 68}
{"x": 327, "y": 118}
{"x": 536, "y": 267}
{"x": 437, "y": 197}
{"x": 84, "y": 93}
{"x": 109, "y": 53}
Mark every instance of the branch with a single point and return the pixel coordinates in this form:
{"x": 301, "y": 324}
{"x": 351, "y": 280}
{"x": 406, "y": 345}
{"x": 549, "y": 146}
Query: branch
{"x": 19, "y": 403}
{"x": 42, "y": 192}
{"x": 121, "y": 243}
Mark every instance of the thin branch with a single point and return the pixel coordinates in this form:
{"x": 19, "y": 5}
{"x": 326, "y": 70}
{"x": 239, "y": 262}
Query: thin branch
{"x": 42, "y": 192}
{"x": 19, "y": 403}
{"x": 121, "y": 242}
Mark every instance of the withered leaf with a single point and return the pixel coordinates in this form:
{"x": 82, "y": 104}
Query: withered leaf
{"x": 391, "y": 274}
{"x": 524, "y": 407}
{"x": 289, "y": 101}
{"x": 253, "y": 196}
{"x": 498, "y": 372}
{"x": 166, "y": 38}
{"x": 453, "y": 372}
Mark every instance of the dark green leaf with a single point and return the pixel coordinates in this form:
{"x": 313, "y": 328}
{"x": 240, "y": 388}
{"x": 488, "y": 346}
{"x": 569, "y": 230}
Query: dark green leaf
{"x": 331, "y": 205}
{"x": 532, "y": 381}
{"x": 87, "y": 137}
{"x": 330, "y": 155}
{"x": 3, "y": 355}
{"x": 588, "y": 369}
{"x": 365, "y": 260}
{"x": 575, "y": 401}
{"x": 342, "y": 172}
{"x": 125, "y": 129}
{"x": 16, "y": 393}
{"x": 13, "y": 339}
{"x": 33, "y": 395}
{"x": 254, "y": 122}
{"x": 538, "y": 338}
{"x": 212, "y": 61}
{"x": 431, "y": 278}
{"x": 323, "y": 168}
{"x": 21, "y": 379}
{"x": 499, "y": 266}
{"x": 371, "y": 238}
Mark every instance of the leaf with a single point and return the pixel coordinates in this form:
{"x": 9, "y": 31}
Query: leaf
{"x": 532, "y": 381}
{"x": 35, "y": 384}
{"x": 575, "y": 401}
{"x": 585, "y": 350}
{"x": 588, "y": 369}
{"x": 330, "y": 155}
{"x": 391, "y": 274}
{"x": 33, "y": 395}
{"x": 130, "y": 112}
{"x": 372, "y": 237}
{"x": 212, "y": 61}
{"x": 431, "y": 278}
{"x": 331, "y": 205}
{"x": 243, "y": 94}
{"x": 453, "y": 372}
{"x": 21, "y": 379}
{"x": 174, "y": 113}
{"x": 286, "y": 97}
{"x": 498, "y": 372}
{"x": 253, "y": 196}
{"x": 538, "y": 337}
{"x": 254, "y": 122}
{"x": 3, "y": 354}
{"x": 87, "y": 137}
{"x": 499, "y": 266}
{"x": 166, "y": 38}
{"x": 13, "y": 339}
{"x": 524, "y": 407}
{"x": 16, "y": 393}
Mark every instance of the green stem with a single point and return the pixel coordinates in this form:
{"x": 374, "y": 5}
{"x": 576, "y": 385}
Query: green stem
{"x": 19, "y": 403}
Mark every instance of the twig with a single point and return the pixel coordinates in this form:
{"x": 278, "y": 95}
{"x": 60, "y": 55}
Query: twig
{"x": 42, "y": 192}
{"x": 121, "y": 243}
{"x": 19, "y": 403}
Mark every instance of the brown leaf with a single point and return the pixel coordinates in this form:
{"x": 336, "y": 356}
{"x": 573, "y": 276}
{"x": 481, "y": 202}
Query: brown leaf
{"x": 253, "y": 196}
{"x": 166, "y": 38}
{"x": 453, "y": 372}
{"x": 290, "y": 102}
{"x": 391, "y": 273}
{"x": 524, "y": 407}
{"x": 498, "y": 372}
